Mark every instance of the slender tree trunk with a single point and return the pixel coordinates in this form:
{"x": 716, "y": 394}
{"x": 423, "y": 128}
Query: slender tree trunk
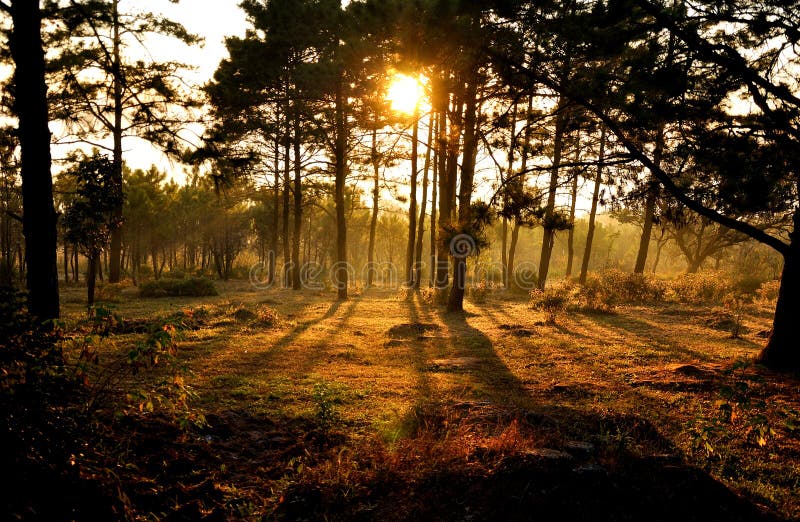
{"x": 116, "y": 234}
{"x": 66, "y": 263}
{"x": 434, "y": 203}
{"x": 512, "y": 248}
{"x": 548, "y": 238}
{"x": 782, "y": 351}
{"x": 505, "y": 254}
{"x": 39, "y": 220}
{"x": 94, "y": 261}
{"x": 587, "y": 252}
{"x": 298, "y": 206}
{"x": 412, "y": 206}
{"x": 423, "y": 209}
{"x": 273, "y": 253}
{"x": 573, "y": 204}
{"x": 373, "y": 222}
{"x": 287, "y": 183}
{"x": 649, "y": 209}
{"x": 341, "y": 173}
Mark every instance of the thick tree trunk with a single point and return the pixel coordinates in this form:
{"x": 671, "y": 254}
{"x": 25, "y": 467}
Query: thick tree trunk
{"x": 412, "y": 205}
{"x": 116, "y": 233}
{"x": 783, "y": 349}
{"x": 446, "y": 188}
{"x": 39, "y": 215}
{"x": 456, "y": 300}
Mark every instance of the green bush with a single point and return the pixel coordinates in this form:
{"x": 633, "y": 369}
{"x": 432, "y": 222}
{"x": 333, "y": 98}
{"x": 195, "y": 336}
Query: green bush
{"x": 194, "y": 287}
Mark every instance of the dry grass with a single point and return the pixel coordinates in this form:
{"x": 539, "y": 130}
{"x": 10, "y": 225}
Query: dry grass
{"x": 350, "y": 409}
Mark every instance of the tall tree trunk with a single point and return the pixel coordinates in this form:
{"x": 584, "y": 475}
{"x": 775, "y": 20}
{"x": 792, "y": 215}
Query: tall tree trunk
{"x": 373, "y": 222}
{"x": 423, "y": 208}
{"x": 512, "y": 248}
{"x": 434, "y": 202}
{"x": 273, "y": 248}
{"x": 456, "y": 300}
{"x": 412, "y": 205}
{"x": 587, "y": 252}
{"x": 548, "y": 238}
{"x": 116, "y": 233}
{"x": 340, "y": 157}
{"x": 298, "y": 205}
{"x": 446, "y": 194}
{"x": 30, "y": 105}
{"x": 512, "y": 143}
{"x": 649, "y": 209}
{"x": 287, "y": 184}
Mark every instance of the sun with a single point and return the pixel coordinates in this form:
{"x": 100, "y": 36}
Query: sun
{"x": 405, "y": 93}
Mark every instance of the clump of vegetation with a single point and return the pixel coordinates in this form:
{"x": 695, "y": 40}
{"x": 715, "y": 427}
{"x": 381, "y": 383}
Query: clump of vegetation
{"x": 479, "y": 293}
{"x": 111, "y": 292}
{"x": 267, "y": 316}
{"x": 767, "y": 293}
{"x": 604, "y": 290}
{"x": 704, "y": 287}
{"x": 325, "y": 398}
{"x": 194, "y": 287}
{"x": 552, "y": 301}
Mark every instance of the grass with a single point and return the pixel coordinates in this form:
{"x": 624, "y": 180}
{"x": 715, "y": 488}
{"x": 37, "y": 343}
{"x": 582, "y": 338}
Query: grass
{"x": 382, "y": 407}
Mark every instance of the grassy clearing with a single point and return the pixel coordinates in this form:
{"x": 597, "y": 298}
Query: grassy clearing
{"x": 387, "y": 407}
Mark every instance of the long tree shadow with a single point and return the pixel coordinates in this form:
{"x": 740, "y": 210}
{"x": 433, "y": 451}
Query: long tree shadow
{"x": 583, "y": 465}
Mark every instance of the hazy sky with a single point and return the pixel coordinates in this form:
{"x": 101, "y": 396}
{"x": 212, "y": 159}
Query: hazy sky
{"x": 211, "y": 19}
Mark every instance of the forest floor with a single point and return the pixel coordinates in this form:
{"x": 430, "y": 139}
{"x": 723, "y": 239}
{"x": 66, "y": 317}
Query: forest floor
{"x": 383, "y": 407}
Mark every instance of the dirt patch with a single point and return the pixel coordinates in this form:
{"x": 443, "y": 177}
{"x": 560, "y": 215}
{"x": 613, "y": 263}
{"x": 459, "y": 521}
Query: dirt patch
{"x": 412, "y": 330}
{"x": 456, "y": 364}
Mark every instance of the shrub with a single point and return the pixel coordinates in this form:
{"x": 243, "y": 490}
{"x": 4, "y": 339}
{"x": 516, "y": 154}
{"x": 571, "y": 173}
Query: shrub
{"x": 110, "y": 292}
{"x": 194, "y": 287}
{"x": 747, "y": 285}
{"x": 605, "y": 290}
{"x": 552, "y": 301}
{"x": 701, "y": 288}
{"x": 479, "y": 293}
{"x": 767, "y": 293}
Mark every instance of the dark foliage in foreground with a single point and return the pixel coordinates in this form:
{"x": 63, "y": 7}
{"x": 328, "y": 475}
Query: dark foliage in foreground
{"x": 45, "y": 429}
